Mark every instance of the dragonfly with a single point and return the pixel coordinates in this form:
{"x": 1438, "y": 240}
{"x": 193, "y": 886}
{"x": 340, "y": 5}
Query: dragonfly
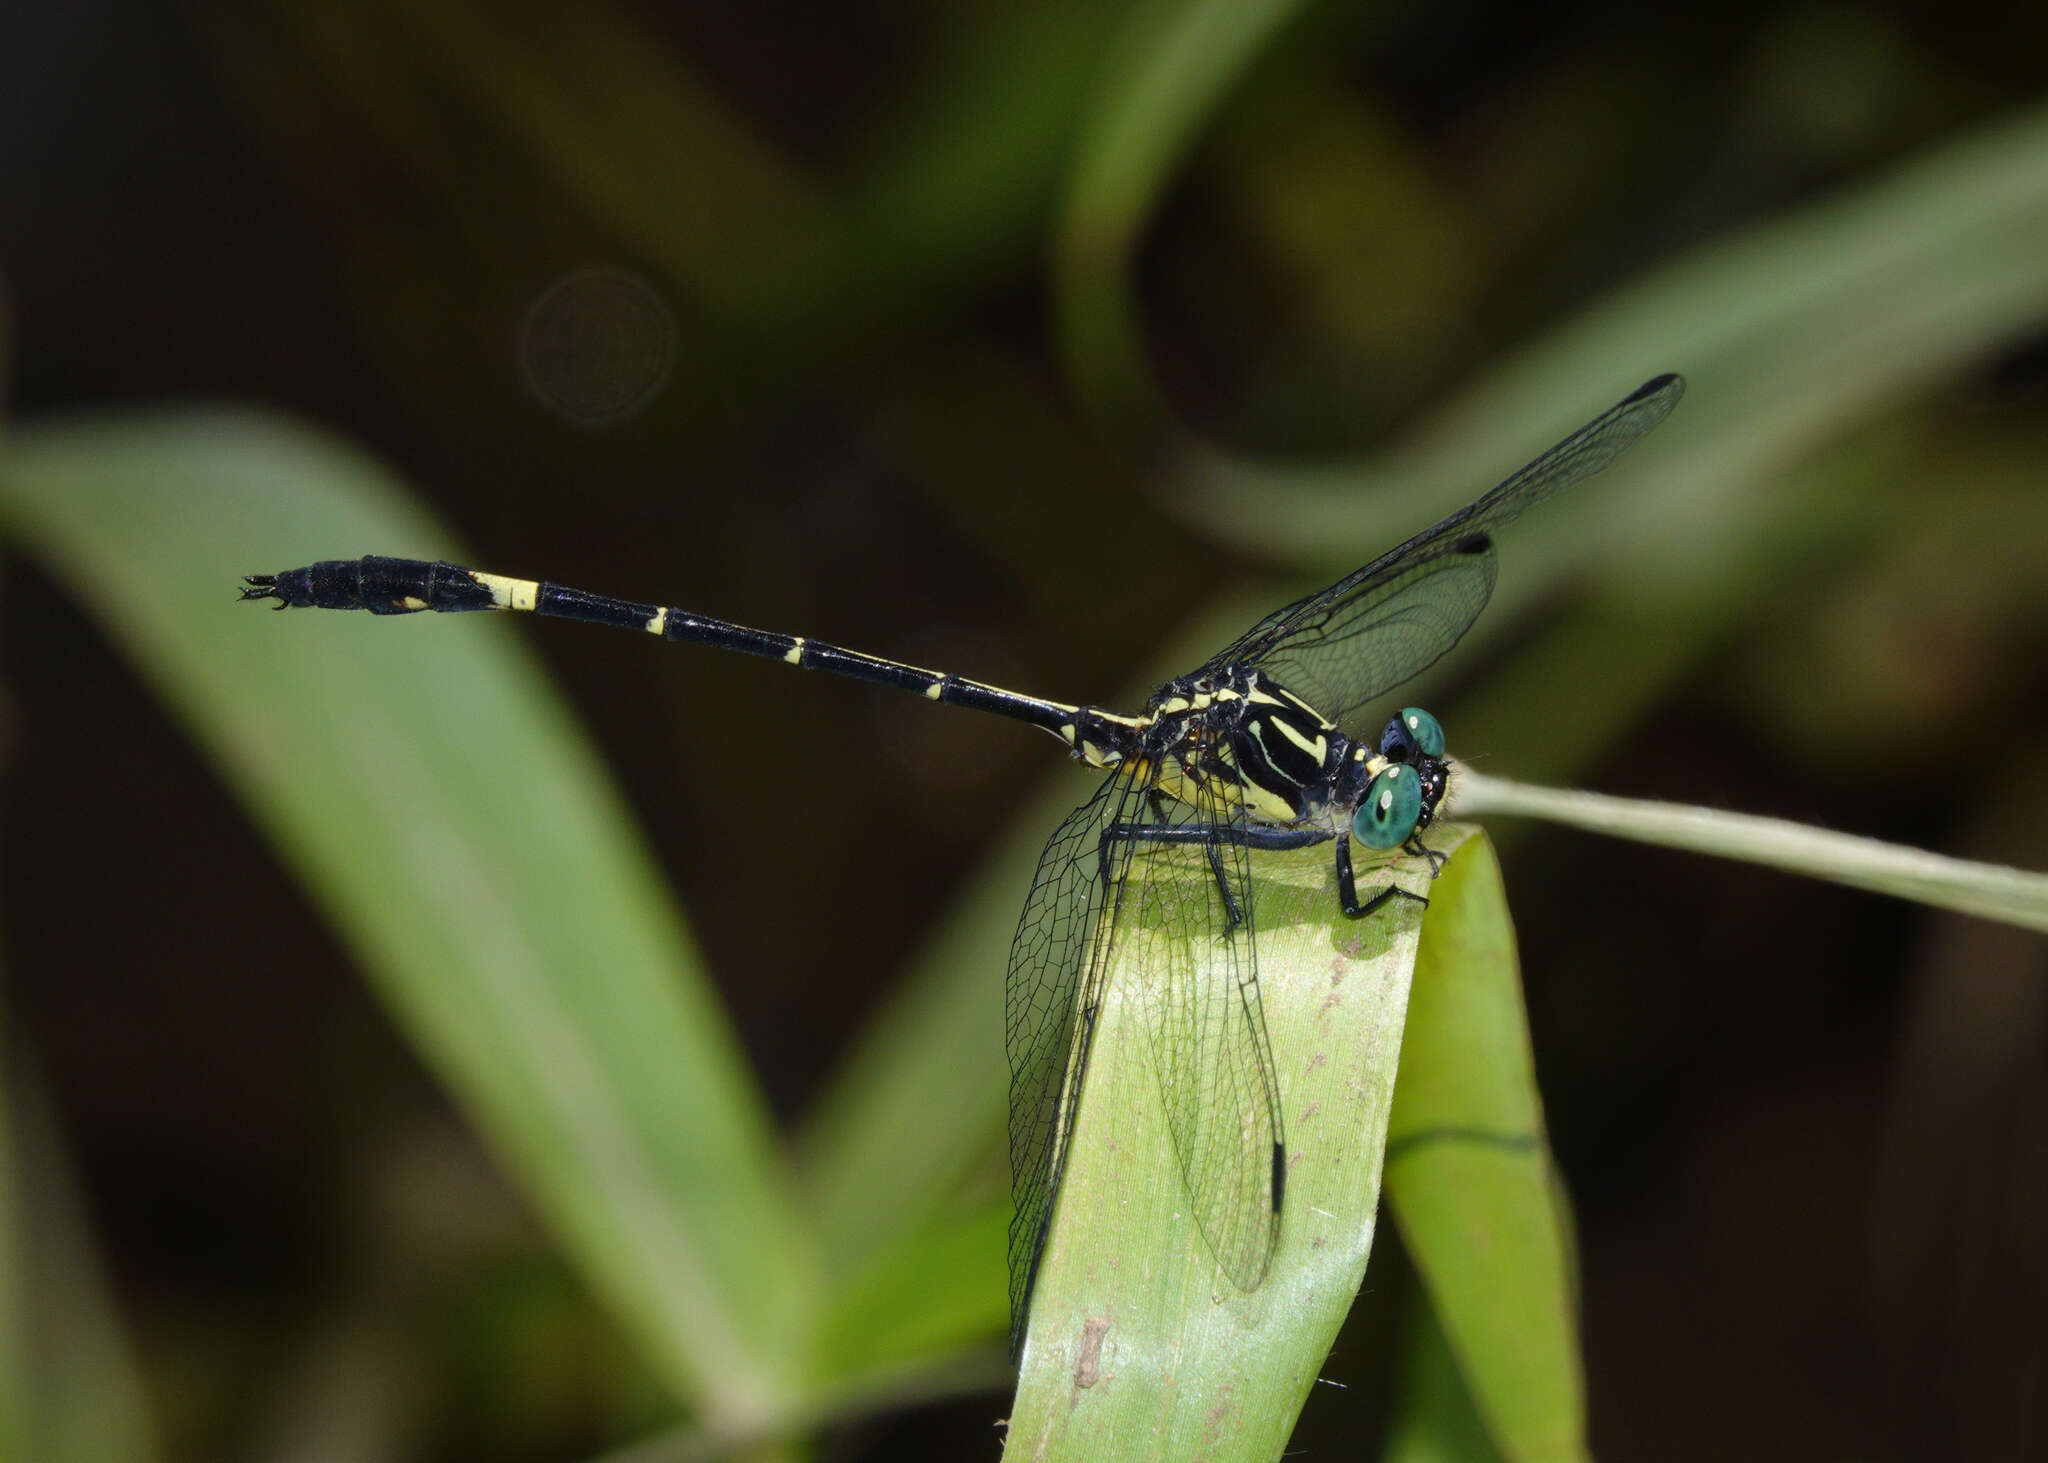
{"x": 1264, "y": 747}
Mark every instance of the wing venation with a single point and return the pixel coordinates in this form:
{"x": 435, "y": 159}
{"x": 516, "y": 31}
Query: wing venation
{"x": 1310, "y": 645}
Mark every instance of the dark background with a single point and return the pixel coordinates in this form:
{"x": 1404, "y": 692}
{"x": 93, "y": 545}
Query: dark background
{"x": 1804, "y": 1128}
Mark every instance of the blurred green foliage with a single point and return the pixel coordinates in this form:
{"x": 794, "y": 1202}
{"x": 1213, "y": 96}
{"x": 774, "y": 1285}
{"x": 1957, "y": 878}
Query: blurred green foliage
{"x": 1008, "y": 338}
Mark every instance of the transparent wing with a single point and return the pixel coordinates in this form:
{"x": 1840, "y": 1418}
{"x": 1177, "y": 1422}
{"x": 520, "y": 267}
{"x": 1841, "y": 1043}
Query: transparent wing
{"x": 1113, "y": 900}
{"x": 1385, "y": 634}
{"x": 1051, "y": 995}
{"x": 1394, "y": 618}
{"x": 1208, "y": 1029}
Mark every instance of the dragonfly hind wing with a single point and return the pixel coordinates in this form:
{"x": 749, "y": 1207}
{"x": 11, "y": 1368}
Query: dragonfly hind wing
{"x": 1206, "y": 1021}
{"x": 1053, "y": 990}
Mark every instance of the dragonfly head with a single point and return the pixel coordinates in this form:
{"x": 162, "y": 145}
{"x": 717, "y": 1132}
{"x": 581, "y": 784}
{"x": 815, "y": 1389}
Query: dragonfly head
{"x": 1408, "y": 784}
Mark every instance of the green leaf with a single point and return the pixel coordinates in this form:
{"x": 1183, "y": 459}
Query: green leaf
{"x": 937, "y": 1295}
{"x": 70, "y": 1389}
{"x": 1138, "y": 1346}
{"x": 918, "y": 1105}
{"x": 1174, "y": 64}
{"x": 1785, "y": 331}
{"x": 443, "y": 810}
{"x": 1433, "y": 1414}
{"x": 1469, "y": 1175}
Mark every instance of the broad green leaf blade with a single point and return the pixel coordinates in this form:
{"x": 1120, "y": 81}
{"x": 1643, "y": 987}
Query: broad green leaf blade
{"x": 1433, "y": 1417}
{"x": 920, "y": 1101}
{"x": 937, "y": 1296}
{"x": 72, "y": 1392}
{"x": 1138, "y": 1346}
{"x": 1469, "y": 1175}
{"x": 444, "y": 811}
{"x": 1786, "y": 331}
{"x": 1989, "y": 891}
{"x": 1174, "y": 64}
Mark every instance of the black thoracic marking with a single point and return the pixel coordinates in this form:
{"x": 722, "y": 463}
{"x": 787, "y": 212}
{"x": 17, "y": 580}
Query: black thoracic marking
{"x": 1275, "y": 761}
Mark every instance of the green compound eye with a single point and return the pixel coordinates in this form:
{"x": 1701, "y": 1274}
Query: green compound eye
{"x": 1392, "y": 803}
{"x": 1426, "y": 729}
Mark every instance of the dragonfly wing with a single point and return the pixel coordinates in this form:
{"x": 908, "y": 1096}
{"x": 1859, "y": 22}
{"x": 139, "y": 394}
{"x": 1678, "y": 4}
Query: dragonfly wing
{"x": 1106, "y": 895}
{"x": 1207, "y": 1025}
{"x": 1058, "y": 963}
{"x": 1392, "y": 630}
{"x": 1314, "y": 638}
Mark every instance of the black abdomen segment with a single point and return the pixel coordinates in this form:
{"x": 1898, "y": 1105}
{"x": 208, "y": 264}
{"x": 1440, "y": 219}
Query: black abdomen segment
{"x": 409, "y": 586}
{"x": 381, "y": 586}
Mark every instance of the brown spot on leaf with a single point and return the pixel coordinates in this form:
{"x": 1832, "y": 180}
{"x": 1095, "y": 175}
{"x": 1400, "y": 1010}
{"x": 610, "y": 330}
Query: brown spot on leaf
{"x": 1088, "y": 1365}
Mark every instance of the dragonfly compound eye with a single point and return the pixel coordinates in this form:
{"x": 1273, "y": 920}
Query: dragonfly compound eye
{"x": 1389, "y": 810}
{"x": 1426, "y": 729}
{"x": 1412, "y": 735}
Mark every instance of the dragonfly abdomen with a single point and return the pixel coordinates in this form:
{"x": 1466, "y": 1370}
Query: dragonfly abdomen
{"x": 387, "y": 586}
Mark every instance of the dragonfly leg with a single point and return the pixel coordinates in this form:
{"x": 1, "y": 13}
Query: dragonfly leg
{"x": 1347, "y": 887}
{"x": 1212, "y": 839}
{"x": 1232, "y": 915}
{"x": 1266, "y": 836}
{"x": 1271, "y": 837}
{"x": 1436, "y": 860}
{"x": 1110, "y": 837}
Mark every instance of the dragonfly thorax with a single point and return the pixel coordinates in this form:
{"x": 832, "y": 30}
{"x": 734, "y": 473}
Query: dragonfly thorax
{"x": 1233, "y": 726}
